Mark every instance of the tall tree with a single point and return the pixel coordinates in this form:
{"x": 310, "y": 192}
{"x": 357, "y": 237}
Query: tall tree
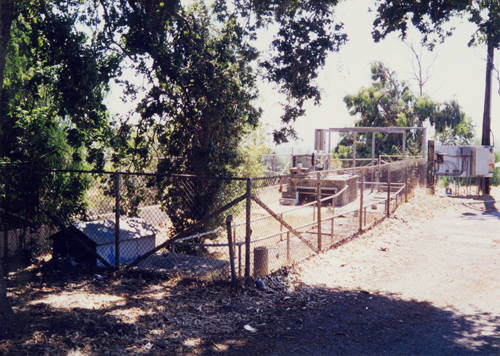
{"x": 198, "y": 69}
{"x": 200, "y": 100}
{"x": 6, "y": 16}
{"x": 432, "y": 19}
{"x": 53, "y": 83}
{"x": 390, "y": 102}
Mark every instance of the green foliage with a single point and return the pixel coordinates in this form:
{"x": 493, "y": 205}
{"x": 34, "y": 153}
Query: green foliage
{"x": 200, "y": 104}
{"x": 198, "y": 63}
{"x": 52, "y": 114}
{"x": 307, "y": 33}
{"x": 390, "y": 102}
{"x": 251, "y": 150}
{"x": 196, "y": 113}
{"x": 431, "y": 18}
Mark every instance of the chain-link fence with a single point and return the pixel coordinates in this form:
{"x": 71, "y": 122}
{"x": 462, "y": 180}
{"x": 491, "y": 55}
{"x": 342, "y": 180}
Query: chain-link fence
{"x": 196, "y": 225}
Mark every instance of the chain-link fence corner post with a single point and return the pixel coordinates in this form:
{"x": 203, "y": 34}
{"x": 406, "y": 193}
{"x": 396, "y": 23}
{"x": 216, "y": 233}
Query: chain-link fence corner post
{"x": 361, "y": 193}
{"x": 248, "y": 231}
{"x": 318, "y": 202}
{"x": 406, "y": 182}
{"x": 117, "y": 219}
{"x": 388, "y": 213}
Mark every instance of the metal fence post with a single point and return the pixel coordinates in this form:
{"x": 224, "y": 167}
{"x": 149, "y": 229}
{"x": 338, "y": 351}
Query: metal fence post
{"x": 117, "y": 220}
{"x": 333, "y": 221}
{"x": 362, "y": 188}
{"x": 318, "y": 199}
{"x": 406, "y": 182}
{"x": 248, "y": 231}
{"x": 388, "y": 190}
{"x": 234, "y": 281}
{"x": 239, "y": 260}
{"x": 281, "y": 227}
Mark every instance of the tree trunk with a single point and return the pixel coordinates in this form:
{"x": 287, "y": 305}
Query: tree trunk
{"x": 485, "y": 184}
{"x": 6, "y": 16}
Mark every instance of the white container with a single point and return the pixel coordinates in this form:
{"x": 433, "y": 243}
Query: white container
{"x": 464, "y": 161}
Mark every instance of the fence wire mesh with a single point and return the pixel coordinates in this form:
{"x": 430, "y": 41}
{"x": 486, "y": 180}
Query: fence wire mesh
{"x": 198, "y": 226}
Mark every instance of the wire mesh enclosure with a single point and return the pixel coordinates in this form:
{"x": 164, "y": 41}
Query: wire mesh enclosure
{"x": 195, "y": 225}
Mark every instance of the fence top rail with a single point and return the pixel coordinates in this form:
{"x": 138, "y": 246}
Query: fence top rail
{"x": 145, "y": 174}
{"x": 187, "y": 175}
{"x": 382, "y": 129}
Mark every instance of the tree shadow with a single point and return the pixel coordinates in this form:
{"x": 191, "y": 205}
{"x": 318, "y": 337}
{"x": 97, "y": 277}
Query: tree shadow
{"x": 147, "y": 314}
{"x": 484, "y": 204}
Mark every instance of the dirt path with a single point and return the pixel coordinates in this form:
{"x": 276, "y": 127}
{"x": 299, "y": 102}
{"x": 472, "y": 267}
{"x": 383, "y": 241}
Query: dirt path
{"x": 426, "y": 281}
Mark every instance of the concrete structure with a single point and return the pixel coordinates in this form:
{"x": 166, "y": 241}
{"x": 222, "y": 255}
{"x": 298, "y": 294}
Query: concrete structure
{"x": 301, "y": 189}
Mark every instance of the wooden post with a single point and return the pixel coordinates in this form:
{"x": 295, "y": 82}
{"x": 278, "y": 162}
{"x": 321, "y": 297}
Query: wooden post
{"x": 248, "y": 231}
{"x": 318, "y": 200}
{"x": 117, "y": 220}
{"x": 234, "y": 281}
{"x": 361, "y": 193}
{"x": 260, "y": 261}
{"x": 388, "y": 190}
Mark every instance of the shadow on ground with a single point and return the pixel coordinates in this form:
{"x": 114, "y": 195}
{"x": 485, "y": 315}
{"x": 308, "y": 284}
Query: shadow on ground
{"x": 485, "y": 205}
{"x": 144, "y": 314}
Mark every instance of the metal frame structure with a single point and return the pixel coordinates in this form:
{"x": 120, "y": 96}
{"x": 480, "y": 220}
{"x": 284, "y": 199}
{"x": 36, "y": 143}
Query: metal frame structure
{"x": 373, "y": 131}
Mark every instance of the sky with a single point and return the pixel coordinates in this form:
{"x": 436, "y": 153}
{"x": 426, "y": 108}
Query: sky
{"x": 456, "y": 72}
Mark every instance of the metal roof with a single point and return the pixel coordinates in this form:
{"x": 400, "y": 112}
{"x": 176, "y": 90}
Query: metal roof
{"x": 102, "y": 232}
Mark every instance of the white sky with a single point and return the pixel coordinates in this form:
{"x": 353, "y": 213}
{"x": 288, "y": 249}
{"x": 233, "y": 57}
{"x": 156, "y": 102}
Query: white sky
{"x": 458, "y": 72}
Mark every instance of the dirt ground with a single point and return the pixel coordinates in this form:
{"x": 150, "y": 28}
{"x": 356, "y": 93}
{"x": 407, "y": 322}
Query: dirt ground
{"x": 425, "y": 281}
